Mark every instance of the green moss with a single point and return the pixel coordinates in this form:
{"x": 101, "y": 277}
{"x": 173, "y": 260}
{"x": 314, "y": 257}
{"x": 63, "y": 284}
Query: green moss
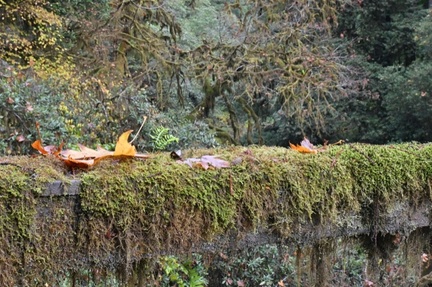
{"x": 134, "y": 208}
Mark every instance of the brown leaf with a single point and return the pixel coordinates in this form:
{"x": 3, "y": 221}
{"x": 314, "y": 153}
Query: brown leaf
{"x": 206, "y": 162}
{"x": 29, "y": 107}
{"x": 20, "y": 138}
{"x": 215, "y": 161}
{"x": 86, "y": 153}
{"x": 87, "y": 157}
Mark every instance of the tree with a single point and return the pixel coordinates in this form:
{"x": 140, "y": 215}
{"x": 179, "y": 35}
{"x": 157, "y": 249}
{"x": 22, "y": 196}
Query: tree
{"x": 383, "y": 40}
{"x": 269, "y": 59}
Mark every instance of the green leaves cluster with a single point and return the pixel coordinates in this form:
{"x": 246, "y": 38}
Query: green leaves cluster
{"x": 252, "y": 72}
{"x": 190, "y": 273}
{"x": 161, "y": 138}
{"x": 391, "y": 102}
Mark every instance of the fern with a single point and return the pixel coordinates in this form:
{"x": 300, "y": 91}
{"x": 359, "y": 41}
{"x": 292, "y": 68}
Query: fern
{"x": 161, "y": 138}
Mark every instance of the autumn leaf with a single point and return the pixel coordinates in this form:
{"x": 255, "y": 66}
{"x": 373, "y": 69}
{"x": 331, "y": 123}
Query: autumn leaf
{"x": 38, "y": 146}
{"x": 206, "y": 162}
{"x": 305, "y": 147}
{"x": 123, "y": 147}
{"x": 20, "y": 138}
{"x": 45, "y": 150}
{"x": 87, "y": 157}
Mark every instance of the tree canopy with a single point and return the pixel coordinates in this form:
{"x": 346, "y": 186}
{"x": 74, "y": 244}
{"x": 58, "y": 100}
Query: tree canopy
{"x": 235, "y": 72}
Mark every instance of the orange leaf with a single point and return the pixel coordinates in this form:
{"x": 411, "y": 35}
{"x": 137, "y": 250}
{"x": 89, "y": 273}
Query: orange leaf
{"x": 123, "y": 147}
{"x": 88, "y": 157}
{"x": 38, "y": 146}
{"x": 302, "y": 149}
{"x": 49, "y": 149}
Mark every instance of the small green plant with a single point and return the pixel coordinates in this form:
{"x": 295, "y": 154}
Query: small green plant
{"x": 264, "y": 265}
{"x": 161, "y": 138}
{"x": 190, "y": 273}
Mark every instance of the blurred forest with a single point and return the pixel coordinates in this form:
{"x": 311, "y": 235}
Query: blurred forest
{"x": 210, "y": 72}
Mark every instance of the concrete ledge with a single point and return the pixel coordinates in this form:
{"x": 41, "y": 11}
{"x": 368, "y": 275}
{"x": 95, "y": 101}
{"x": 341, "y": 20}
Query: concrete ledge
{"x": 59, "y": 188}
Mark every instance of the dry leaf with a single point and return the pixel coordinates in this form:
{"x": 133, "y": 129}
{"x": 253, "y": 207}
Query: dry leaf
{"x": 123, "y": 147}
{"x": 304, "y": 147}
{"x": 20, "y": 138}
{"x": 307, "y": 147}
{"x": 29, "y": 107}
{"x": 206, "y": 162}
{"x": 87, "y": 157}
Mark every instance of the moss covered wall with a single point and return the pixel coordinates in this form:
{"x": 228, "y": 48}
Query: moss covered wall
{"x": 120, "y": 214}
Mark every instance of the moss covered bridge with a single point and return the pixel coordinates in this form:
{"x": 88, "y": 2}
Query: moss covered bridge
{"x": 118, "y": 217}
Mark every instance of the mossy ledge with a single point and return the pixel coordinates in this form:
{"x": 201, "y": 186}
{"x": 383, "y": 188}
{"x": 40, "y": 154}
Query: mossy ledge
{"x": 118, "y": 216}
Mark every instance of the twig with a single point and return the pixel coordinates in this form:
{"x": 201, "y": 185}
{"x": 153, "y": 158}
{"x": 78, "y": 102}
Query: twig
{"x": 134, "y": 138}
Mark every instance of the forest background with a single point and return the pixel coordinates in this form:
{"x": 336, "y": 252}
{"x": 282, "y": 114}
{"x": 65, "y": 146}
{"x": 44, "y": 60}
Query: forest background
{"x": 207, "y": 73}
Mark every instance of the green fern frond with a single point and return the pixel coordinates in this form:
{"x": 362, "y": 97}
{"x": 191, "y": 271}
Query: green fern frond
{"x": 161, "y": 138}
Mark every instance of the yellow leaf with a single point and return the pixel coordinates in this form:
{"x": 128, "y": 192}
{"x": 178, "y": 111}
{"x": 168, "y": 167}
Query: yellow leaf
{"x": 123, "y": 147}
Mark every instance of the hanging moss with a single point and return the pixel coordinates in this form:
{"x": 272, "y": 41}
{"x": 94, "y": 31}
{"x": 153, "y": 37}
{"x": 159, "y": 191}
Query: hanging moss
{"x": 133, "y": 210}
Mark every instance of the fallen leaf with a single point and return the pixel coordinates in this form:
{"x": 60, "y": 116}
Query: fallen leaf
{"x": 215, "y": 161}
{"x": 29, "y": 107}
{"x": 87, "y": 157}
{"x": 304, "y": 147}
{"x": 307, "y": 147}
{"x": 20, "y": 138}
{"x": 206, "y": 162}
{"x": 49, "y": 149}
{"x": 123, "y": 147}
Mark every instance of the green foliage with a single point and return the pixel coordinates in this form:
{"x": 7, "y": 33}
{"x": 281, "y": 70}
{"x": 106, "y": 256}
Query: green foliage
{"x": 263, "y": 265}
{"x": 190, "y": 273}
{"x": 389, "y": 48}
{"x": 161, "y": 138}
{"x": 240, "y": 73}
{"x": 25, "y": 100}
{"x": 383, "y": 30}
